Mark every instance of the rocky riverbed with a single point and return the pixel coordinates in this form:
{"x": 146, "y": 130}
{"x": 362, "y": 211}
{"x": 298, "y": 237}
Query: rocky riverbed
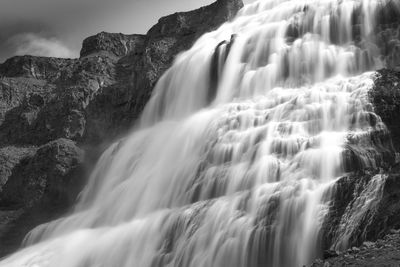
{"x": 383, "y": 252}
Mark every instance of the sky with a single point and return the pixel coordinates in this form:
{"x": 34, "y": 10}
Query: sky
{"x": 57, "y": 28}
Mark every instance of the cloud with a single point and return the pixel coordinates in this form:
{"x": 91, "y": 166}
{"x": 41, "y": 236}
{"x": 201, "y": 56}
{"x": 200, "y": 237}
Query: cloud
{"x": 55, "y": 27}
{"x": 37, "y": 45}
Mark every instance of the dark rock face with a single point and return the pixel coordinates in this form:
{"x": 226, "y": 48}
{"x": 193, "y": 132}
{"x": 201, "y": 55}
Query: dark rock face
{"x": 52, "y": 106}
{"x": 10, "y": 157}
{"x": 41, "y": 184}
{"x": 385, "y": 97}
{"x": 388, "y": 30}
{"x": 40, "y": 68}
{"x": 49, "y": 107}
{"x": 46, "y": 176}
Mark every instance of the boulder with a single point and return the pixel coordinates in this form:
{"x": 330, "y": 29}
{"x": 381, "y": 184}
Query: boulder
{"x": 10, "y": 157}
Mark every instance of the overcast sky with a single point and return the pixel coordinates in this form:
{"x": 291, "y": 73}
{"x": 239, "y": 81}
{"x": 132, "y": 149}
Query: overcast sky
{"x": 57, "y": 27}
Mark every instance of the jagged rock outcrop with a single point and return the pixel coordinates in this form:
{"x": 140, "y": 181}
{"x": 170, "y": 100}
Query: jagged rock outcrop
{"x": 117, "y": 44}
{"x": 170, "y": 36}
{"x": 40, "y": 68}
{"x": 50, "y": 108}
{"x": 178, "y": 32}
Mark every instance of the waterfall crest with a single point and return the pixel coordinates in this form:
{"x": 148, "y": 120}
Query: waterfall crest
{"x": 234, "y": 159}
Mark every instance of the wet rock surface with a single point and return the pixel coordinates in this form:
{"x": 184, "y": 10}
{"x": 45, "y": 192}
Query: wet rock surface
{"x": 370, "y": 235}
{"x": 53, "y": 110}
{"x": 375, "y": 220}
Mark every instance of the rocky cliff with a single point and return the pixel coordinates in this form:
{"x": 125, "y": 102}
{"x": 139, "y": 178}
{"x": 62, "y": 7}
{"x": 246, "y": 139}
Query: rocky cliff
{"x": 53, "y": 111}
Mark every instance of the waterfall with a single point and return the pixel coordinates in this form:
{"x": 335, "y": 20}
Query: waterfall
{"x": 236, "y": 155}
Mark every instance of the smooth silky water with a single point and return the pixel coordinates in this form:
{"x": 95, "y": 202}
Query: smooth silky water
{"x": 234, "y": 159}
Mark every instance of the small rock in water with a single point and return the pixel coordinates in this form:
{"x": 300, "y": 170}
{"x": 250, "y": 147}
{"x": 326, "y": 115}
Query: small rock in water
{"x": 330, "y": 253}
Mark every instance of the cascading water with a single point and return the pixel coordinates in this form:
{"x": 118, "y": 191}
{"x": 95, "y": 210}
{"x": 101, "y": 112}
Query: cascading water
{"x": 235, "y": 157}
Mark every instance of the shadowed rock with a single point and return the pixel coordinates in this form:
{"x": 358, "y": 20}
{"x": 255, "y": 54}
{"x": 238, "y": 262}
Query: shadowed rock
{"x": 40, "y": 185}
{"x": 385, "y": 97}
